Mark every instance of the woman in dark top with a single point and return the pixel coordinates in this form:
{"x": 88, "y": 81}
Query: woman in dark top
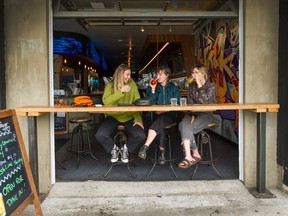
{"x": 160, "y": 93}
{"x": 200, "y": 92}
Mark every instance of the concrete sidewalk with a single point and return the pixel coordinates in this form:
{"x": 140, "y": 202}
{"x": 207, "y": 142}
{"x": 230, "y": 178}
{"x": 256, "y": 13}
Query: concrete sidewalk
{"x": 225, "y": 197}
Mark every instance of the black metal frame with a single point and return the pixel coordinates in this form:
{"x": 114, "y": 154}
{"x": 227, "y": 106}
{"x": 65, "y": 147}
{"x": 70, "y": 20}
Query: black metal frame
{"x": 80, "y": 147}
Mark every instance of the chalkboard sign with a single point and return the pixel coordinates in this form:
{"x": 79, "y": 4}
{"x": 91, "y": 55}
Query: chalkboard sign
{"x": 17, "y": 188}
{"x": 60, "y": 123}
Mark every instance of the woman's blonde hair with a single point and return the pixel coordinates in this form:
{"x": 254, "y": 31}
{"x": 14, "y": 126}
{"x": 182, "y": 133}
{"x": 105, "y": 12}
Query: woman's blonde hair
{"x": 203, "y": 70}
{"x": 118, "y": 77}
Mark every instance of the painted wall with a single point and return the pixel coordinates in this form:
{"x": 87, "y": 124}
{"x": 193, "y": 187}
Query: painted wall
{"x": 26, "y": 46}
{"x": 217, "y": 47}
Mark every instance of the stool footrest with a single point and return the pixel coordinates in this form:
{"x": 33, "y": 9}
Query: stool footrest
{"x": 119, "y": 163}
{"x": 78, "y": 151}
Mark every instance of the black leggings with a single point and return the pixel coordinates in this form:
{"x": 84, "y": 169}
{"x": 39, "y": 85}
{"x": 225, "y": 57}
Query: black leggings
{"x": 160, "y": 123}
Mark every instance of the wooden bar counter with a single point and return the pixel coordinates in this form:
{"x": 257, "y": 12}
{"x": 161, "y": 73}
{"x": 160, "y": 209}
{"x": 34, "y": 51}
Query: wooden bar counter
{"x": 256, "y": 107}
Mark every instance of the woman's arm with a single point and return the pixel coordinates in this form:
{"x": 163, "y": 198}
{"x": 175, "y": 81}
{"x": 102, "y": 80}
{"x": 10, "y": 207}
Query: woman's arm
{"x": 109, "y": 96}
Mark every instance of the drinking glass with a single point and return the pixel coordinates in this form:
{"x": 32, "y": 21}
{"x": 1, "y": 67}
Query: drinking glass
{"x": 183, "y": 101}
{"x": 174, "y": 101}
{"x": 190, "y": 79}
{"x": 153, "y": 81}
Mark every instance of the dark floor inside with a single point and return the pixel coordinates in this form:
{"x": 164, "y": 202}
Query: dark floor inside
{"x": 224, "y": 151}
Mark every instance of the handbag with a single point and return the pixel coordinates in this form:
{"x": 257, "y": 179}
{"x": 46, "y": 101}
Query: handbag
{"x": 83, "y": 101}
{"x": 142, "y": 102}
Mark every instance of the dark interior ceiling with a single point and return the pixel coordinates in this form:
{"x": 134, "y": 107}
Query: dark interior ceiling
{"x": 115, "y": 26}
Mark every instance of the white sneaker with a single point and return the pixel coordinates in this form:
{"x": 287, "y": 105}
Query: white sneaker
{"x": 114, "y": 155}
{"x": 124, "y": 155}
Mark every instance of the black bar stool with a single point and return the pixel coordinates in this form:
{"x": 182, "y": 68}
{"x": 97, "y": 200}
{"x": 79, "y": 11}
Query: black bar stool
{"x": 168, "y": 132}
{"x": 80, "y": 148}
{"x": 120, "y": 139}
{"x": 205, "y": 149}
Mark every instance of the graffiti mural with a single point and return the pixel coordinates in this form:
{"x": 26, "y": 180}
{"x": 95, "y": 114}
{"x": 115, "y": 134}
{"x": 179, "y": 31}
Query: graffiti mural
{"x": 218, "y": 48}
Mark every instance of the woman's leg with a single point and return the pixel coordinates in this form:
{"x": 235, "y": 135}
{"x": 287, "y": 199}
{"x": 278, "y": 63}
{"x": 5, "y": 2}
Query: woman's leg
{"x": 150, "y": 137}
{"x": 187, "y": 136}
{"x": 135, "y": 135}
{"x": 157, "y": 128}
{"x": 187, "y": 130}
{"x": 200, "y": 123}
{"x": 163, "y": 121}
{"x": 187, "y": 150}
{"x": 105, "y": 133}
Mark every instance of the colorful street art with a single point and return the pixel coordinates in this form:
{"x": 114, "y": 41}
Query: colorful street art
{"x": 218, "y": 48}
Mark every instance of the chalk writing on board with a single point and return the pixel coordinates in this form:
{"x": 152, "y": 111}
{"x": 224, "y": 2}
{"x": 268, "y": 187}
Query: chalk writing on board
{"x": 14, "y": 183}
{"x": 60, "y": 122}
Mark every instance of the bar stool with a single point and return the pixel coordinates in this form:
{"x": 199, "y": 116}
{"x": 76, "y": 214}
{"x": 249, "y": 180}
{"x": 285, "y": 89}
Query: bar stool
{"x": 79, "y": 148}
{"x": 168, "y": 132}
{"x": 120, "y": 139}
{"x": 205, "y": 149}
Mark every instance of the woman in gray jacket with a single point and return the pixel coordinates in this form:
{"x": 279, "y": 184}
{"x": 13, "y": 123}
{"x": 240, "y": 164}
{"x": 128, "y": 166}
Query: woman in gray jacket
{"x": 200, "y": 92}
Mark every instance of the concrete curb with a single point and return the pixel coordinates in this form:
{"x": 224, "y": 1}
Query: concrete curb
{"x": 224, "y": 197}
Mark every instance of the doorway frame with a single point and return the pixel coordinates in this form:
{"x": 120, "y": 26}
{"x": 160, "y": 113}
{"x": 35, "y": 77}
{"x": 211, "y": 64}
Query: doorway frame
{"x": 241, "y": 94}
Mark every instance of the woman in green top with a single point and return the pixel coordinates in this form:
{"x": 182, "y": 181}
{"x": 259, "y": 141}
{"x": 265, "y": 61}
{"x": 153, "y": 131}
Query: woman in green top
{"x": 121, "y": 90}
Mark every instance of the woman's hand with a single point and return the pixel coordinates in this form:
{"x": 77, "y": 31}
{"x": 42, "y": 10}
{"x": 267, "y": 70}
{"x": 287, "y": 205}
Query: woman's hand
{"x": 125, "y": 88}
{"x": 140, "y": 124}
{"x": 192, "y": 119}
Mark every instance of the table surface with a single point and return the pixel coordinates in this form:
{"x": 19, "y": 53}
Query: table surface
{"x": 255, "y": 107}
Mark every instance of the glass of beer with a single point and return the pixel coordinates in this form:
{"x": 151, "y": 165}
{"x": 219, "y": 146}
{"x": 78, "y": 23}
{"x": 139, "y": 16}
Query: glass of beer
{"x": 190, "y": 79}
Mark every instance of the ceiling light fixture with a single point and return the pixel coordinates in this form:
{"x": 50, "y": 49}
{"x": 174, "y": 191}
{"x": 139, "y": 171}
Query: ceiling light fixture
{"x": 142, "y": 29}
{"x": 170, "y": 29}
{"x": 97, "y": 5}
{"x": 154, "y": 57}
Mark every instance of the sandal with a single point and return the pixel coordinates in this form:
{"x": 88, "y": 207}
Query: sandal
{"x": 196, "y": 159}
{"x": 184, "y": 164}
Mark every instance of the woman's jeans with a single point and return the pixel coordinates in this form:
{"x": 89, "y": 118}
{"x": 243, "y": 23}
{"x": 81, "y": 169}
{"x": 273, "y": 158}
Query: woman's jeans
{"x": 188, "y": 129}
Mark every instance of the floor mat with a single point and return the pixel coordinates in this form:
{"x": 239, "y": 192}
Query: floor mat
{"x": 225, "y": 154}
